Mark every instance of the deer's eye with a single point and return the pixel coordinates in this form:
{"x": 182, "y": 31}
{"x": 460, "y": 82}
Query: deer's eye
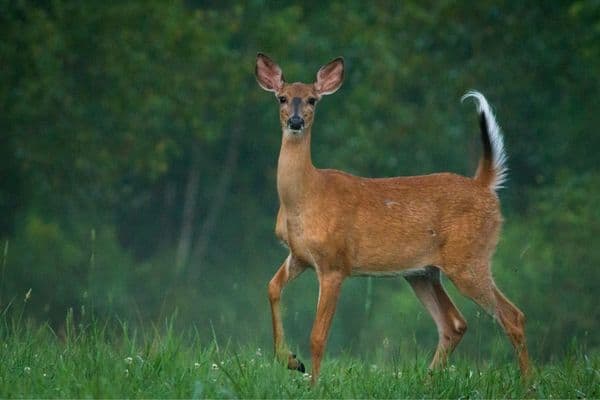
{"x": 312, "y": 101}
{"x": 282, "y": 99}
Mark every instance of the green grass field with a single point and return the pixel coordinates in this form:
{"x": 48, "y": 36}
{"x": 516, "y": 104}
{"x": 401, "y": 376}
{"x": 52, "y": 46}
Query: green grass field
{"x": 98, "y": 361}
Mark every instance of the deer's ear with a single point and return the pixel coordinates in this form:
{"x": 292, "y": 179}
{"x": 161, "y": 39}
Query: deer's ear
{"x": 330, "y": 77}
{"x": 268, "y": 73}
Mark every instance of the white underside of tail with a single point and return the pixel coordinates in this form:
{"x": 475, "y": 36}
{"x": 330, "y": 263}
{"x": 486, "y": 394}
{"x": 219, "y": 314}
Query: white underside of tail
{"x": 499, "y": 156}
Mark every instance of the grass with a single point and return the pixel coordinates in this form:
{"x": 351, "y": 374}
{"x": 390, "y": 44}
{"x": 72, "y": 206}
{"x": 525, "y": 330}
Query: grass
{"x": 99, "y": 361}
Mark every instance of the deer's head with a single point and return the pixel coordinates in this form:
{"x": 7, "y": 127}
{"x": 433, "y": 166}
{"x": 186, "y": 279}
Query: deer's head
{"x": 297, "y": 101}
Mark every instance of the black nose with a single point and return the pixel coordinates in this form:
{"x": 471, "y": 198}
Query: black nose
{"x": 295, "y": 123}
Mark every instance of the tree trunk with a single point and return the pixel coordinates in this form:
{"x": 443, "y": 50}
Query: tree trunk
{"x": 189, "y": 209}
{"x": 220, "y": 193}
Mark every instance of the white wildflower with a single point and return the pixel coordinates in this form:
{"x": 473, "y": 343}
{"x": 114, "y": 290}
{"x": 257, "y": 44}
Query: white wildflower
{"x": 258, "y": 352}
{"x": 196, "y": 365}
{"x": 27, "y": 370}
{"x": 128, "y": 360}
{"x": 215, "y": 366}
{"x": 126, "y": 372}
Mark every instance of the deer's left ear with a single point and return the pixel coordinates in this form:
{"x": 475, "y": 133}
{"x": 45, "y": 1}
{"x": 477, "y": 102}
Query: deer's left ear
{"x": 330, "y": 77}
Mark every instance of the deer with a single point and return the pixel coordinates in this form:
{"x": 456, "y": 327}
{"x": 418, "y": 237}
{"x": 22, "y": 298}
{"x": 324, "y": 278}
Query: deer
{"x": 417, "y": 227}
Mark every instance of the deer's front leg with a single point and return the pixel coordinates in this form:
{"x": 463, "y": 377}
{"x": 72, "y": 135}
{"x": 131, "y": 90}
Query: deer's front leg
{"x": 330, "y": 284}
{"x": 289, "y": 270}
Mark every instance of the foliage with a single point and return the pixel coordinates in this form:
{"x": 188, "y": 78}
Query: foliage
{"x": 138, "y": 156}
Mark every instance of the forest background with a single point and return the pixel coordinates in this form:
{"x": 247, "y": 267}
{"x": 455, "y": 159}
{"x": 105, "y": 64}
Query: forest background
{"x": 138, "y": 158}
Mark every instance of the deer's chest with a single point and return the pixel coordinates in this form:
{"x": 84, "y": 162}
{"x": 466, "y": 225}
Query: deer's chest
{"x": 290, "y": 229}
{"x": 301, "y": 231}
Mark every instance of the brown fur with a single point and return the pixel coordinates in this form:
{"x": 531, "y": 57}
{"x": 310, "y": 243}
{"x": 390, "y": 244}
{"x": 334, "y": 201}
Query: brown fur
{"x": 342, "y": 225}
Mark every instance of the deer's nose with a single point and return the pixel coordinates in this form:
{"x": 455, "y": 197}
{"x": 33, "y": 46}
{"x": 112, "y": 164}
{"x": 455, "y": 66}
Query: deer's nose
{"x": 295, "y": 123}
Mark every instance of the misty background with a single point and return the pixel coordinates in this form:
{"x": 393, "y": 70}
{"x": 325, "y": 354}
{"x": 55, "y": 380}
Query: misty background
{"x": 138, "y": 159}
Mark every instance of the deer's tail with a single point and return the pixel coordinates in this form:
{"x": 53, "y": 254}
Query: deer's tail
{"x": 492, "y": 170}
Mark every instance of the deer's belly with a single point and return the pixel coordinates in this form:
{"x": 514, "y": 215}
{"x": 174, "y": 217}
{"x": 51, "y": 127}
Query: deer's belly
{"x": 358, "y": 271}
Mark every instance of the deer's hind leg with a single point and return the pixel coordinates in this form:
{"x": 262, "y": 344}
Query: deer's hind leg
{"x": 513, "y": 321}
{"x": 450, "y": 323}
{"x": 475, "y": 281}
{"x": 289, "y": 270}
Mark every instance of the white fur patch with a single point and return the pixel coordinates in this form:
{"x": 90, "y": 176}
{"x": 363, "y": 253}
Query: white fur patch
{"x": 390, "y": 203}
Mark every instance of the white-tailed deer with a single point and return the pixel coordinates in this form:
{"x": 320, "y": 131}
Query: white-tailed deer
{"x": 342, "y": 225}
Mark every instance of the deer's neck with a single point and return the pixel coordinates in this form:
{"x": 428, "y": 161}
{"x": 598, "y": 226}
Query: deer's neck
{"x": 295, "y": 171}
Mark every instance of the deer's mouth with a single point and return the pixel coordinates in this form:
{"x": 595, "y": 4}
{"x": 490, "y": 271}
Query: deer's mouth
{"x": 295, "y": 131}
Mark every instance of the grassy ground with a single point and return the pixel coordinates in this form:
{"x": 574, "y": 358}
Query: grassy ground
{"x": 88, "y": 361}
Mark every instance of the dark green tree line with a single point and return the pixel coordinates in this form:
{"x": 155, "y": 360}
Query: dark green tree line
{"x": 138, "y": 156}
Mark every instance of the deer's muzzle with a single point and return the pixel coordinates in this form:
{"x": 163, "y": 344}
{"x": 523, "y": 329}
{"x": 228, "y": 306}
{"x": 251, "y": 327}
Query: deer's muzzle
{"x": 296, "y": 122}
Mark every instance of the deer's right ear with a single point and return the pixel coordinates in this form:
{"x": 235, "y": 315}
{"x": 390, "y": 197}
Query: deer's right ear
{"x": 268, "y": 73}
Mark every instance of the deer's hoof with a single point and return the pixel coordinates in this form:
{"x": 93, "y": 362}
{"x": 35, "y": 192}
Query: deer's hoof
{"x": 295, "y": 364}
